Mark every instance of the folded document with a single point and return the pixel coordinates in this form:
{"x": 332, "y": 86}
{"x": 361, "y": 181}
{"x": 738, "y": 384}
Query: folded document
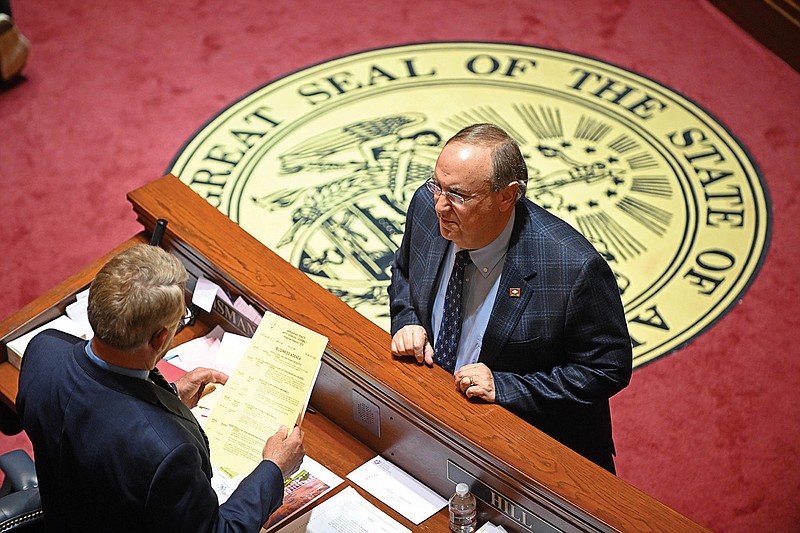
{"x": 16, "y": 348}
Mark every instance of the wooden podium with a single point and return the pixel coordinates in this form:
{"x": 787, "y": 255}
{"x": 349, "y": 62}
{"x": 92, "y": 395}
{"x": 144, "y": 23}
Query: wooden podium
{"x": 366, "y": 403}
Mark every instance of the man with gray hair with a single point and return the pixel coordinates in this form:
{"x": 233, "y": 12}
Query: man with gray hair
{"x": 509, "y": 298}
{"x": 116, "y": 446}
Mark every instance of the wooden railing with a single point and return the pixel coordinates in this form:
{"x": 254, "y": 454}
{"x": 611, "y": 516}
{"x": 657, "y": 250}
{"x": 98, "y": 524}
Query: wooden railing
{"x": 368, "y": 403}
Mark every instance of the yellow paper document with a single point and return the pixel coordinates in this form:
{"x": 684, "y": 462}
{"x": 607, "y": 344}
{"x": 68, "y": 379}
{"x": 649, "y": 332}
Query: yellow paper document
{"x": 269, "y": 388}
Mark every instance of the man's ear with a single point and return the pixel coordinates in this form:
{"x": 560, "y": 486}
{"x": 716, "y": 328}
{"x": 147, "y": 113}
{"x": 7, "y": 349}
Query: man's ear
{"x": 159, "y": 338}
{"x": 508, "y": 196}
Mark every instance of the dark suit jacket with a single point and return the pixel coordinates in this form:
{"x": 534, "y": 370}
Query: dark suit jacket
{"x": 115, "y": 453}
{"x": 561, "y": 349}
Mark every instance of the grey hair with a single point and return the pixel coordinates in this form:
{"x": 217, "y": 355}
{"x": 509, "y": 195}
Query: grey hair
{"x": 135, "y": 294}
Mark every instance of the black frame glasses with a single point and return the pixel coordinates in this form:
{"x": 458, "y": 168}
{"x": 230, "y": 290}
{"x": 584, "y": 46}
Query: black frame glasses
{"x": 188, "y": 319}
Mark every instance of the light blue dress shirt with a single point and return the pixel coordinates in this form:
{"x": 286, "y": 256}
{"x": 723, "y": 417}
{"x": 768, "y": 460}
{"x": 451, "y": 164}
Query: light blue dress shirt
{"x": 481, "y": 280}
{"x": 130, "y": 372}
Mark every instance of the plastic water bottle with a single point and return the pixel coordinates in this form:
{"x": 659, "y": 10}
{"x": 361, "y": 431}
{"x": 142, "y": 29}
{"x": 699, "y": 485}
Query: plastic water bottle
{"x": 462, "y": 510}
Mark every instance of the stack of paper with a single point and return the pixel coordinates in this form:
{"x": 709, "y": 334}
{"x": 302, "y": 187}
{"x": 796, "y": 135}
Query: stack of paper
{"x": 345, "y": 512}
{"x": 16, "y": 348}
{"x": 74, "y": 322}
{"x": 397, "y": 489}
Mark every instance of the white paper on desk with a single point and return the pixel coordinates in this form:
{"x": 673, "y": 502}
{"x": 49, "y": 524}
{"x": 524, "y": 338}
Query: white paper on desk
{"x": 205, "y": 292}
{"x": 219, "y": 349}
{"x": 397, "y": 489}
{"x": 201, "y": 351}
{"x": 61, "y": 323}
{"x": 345, "y": 512}
{"x": 230, "y": 352}
{"x": 488, "y": 527}
{"x": 78, "y": 310}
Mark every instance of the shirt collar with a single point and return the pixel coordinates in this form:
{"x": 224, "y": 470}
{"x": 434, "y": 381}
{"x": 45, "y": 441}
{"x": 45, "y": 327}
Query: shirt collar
{"x": 130, "y": 372}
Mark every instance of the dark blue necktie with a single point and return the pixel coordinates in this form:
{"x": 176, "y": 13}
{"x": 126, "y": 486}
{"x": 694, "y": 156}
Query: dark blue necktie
{"x": 450, "y": 329}
{"x": 159, "y": 380}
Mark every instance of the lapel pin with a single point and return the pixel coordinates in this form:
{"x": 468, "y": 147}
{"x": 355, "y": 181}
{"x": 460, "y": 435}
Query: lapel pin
{"x": 513, "y": 292}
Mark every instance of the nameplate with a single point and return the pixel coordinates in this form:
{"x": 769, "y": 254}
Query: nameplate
{"x": 237, "y": 320}
{"x": 498, "y": 501}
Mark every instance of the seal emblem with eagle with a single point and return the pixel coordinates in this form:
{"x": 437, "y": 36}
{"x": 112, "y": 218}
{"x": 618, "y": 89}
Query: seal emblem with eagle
{"x": 320, "y": 166}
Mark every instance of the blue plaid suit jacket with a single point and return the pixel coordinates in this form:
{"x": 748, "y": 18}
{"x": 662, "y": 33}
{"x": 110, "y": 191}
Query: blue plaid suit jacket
{"x": 561, "y": 349}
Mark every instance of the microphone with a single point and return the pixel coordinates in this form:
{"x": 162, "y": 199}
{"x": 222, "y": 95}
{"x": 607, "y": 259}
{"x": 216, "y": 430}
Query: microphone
{"x": 158, "y": 232}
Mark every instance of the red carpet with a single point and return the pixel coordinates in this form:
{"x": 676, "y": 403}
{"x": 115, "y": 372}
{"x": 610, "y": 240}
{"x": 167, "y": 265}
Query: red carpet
{"x": 112, "y": 91}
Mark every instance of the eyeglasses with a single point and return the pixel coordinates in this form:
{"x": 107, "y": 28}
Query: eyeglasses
{"x": 452, "y": 197}
{"x": 187, "y": 319}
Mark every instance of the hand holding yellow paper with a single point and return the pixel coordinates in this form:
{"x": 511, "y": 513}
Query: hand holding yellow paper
{"x": 269, "y": 388}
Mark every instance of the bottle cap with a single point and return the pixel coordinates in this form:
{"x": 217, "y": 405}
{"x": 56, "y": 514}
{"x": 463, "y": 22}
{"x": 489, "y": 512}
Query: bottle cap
{"x": 462, "y": 489}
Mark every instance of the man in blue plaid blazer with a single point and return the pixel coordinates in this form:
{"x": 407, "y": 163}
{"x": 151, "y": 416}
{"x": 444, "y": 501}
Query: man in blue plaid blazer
{"x": 543, "y": 328}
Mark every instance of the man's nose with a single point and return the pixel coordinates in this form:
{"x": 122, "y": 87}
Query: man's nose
{"x": 442, "y": 203}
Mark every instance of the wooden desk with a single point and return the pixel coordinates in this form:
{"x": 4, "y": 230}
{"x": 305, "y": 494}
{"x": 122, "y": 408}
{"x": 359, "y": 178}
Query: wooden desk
{"x": 366, "y": 402}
